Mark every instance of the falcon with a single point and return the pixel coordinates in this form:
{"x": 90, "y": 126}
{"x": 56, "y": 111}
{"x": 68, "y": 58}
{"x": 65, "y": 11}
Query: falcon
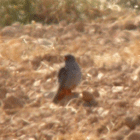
{"x": 68, "y": 78}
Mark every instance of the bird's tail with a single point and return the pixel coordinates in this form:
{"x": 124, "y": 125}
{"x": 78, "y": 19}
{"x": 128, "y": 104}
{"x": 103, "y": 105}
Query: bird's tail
{"x": 59, "y": 95}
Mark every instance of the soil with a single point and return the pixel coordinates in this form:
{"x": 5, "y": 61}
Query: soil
{"x": 107, "y": 101}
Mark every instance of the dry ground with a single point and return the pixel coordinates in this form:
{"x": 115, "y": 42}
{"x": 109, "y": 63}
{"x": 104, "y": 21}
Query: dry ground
{"x": 107, "y": 50}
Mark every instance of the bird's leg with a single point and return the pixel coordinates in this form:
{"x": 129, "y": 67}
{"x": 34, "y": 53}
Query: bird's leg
{"x": 63, "y": 93}
{"x": 68, "y": 92}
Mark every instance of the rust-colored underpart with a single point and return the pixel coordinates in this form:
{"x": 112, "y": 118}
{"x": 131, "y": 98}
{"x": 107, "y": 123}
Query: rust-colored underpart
{"x": 64, "y": 92}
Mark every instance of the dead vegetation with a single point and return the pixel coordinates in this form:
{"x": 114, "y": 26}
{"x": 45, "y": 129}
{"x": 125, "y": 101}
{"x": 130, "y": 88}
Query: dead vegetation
{"x": 107, "y": 50}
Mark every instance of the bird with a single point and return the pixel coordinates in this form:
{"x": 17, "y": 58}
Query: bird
{"x": 69, "y": 77}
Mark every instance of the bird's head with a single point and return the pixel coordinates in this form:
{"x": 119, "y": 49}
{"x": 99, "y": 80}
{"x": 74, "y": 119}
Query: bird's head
{"x": 69, "y": 57}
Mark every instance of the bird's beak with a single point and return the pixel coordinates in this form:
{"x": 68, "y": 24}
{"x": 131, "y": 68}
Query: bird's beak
{"x": 65, "y": 58}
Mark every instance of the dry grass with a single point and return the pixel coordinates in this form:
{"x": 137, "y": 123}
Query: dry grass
{"x": 47, "y": 11}
{"x": 107, "y": 50}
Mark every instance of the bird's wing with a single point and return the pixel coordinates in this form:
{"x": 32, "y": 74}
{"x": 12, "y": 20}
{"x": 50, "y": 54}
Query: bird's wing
{"x": 62, "y": 77}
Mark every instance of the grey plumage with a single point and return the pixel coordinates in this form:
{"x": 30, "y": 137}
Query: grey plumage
{"x": 68, "y": 77}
